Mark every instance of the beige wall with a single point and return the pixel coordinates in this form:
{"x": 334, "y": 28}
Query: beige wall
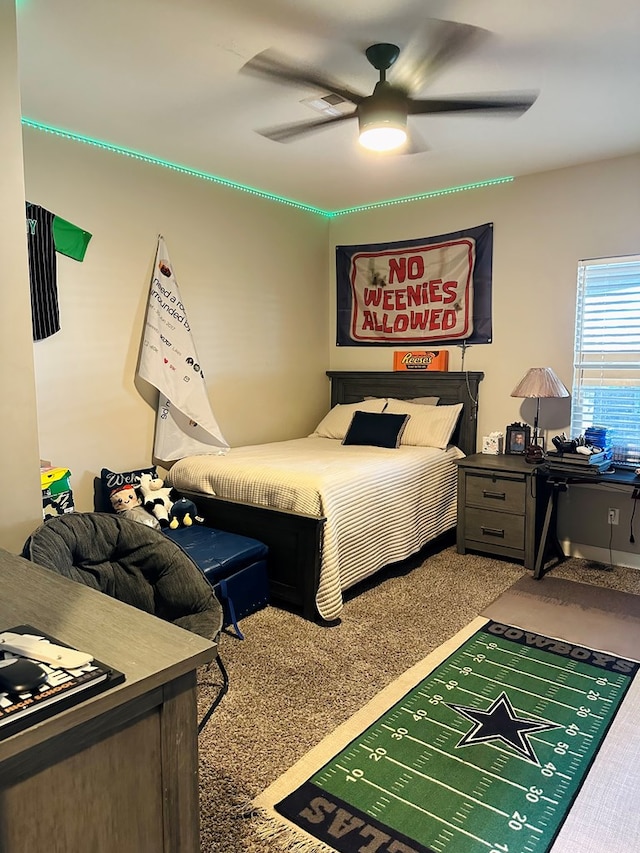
{"x": 20, "y": 495}
{"x": 253, "y": 277}
{"x": 543, "y": 224}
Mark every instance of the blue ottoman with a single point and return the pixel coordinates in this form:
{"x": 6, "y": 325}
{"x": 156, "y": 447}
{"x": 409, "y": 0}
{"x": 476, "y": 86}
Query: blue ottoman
{"x": 234, "y": 565}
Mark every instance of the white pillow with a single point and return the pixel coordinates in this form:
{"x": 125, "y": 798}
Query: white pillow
{"x": 429, "y": 426}
{"x": 423, "y": 401}
{"x": 336, "y": 423}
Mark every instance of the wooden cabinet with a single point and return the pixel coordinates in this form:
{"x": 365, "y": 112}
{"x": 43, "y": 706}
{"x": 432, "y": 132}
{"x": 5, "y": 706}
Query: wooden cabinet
{"x": 499, "y": 501}
{"x": 118, "y": 771}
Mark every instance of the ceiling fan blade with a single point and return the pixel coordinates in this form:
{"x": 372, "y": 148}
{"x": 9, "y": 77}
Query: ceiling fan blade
{"x": 415, "y": 143}
{"x": 433, "y": 47}
{"x": 517, "y": 104}
{"x": 290, "y": 132}
{"x": 271, "y": 64}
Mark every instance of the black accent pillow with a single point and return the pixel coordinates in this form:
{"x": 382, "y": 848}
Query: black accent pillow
{"x": 110, "y": 480}
{"x": 376, "y": 429}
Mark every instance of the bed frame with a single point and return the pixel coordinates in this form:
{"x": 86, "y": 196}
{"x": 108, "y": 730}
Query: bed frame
{"x": 294, "y": 539}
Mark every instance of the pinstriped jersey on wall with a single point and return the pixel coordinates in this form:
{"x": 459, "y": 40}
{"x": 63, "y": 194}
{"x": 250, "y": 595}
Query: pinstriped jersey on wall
{"x": 46, "y": 235}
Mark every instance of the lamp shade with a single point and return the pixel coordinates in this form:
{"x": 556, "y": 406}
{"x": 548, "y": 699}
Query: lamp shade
{"x": 540, "y": 382}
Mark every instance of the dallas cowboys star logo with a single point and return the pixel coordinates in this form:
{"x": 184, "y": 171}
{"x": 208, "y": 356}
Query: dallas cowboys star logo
{"x": 500, "y": 722}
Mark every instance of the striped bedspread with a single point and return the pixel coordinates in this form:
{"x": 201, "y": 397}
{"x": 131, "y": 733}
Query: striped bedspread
{"x": 381, "y": 505}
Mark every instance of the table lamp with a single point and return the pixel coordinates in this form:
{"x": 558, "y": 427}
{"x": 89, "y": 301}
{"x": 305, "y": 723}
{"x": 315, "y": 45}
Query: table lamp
{"x": 538, "y": 382}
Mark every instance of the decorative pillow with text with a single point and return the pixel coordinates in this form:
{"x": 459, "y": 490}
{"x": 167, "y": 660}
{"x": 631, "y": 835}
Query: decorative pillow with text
{"x": 110, "y": 480}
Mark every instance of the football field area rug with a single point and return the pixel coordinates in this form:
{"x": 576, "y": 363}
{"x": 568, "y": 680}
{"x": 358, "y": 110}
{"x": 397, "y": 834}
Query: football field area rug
{"x": 486, "y": 745}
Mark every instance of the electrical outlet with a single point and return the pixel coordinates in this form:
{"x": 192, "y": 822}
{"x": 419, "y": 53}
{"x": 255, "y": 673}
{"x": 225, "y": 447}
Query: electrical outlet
{"x": 613, "y": 516}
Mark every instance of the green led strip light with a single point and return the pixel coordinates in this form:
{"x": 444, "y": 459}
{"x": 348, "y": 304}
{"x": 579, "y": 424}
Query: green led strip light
{"x": 155, "y": 161}
{"x": 421, "y": 196}
{"x": 196, "y": 173}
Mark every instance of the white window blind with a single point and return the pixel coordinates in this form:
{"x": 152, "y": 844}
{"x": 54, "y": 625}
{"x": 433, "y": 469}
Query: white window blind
{"x": 606, "y": 375}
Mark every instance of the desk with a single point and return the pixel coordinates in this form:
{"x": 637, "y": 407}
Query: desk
{"x": 557, "y": 482}
{"x": 118, "y": 771}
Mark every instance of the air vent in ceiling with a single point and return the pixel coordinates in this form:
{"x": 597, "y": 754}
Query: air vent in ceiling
{"x": 329, "y": 105}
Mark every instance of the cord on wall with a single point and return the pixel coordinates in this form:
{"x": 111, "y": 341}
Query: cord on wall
{"x": 464, "y": 346}
{"x": 634, "y": 498}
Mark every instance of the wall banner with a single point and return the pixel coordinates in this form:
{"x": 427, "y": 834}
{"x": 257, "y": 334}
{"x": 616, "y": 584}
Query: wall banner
{"x": 435, "y": 290}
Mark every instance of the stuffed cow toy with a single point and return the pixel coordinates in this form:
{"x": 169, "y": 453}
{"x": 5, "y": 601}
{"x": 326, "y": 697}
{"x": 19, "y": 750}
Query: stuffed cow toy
{"x": 156, "y": 498}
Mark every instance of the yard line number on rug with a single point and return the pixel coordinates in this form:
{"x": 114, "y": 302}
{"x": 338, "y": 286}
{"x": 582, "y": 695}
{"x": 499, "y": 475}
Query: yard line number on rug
{"x": 485, "y": 755}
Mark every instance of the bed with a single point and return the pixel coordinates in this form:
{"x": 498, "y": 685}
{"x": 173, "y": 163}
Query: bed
{"x": 309, "y": 500}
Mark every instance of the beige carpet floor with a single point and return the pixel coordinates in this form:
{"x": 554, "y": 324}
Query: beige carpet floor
{"x": 293, "y": 681}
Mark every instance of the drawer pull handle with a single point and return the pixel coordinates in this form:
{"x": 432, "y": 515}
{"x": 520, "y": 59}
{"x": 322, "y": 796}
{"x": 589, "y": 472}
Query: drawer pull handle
{"x": 492, "y": 531}
{"x": 498, "y": 496}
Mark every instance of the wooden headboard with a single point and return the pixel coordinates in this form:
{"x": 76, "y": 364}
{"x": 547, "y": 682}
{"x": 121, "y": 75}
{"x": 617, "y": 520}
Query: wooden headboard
{"x": 450, "y": 387}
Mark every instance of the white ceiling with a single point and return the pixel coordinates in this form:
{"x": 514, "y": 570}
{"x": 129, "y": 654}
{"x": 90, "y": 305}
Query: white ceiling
{"x": 161, "y": 77}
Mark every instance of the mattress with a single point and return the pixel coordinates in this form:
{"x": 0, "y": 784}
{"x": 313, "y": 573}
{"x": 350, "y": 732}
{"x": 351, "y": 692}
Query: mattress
{"x": 381, "y": 504}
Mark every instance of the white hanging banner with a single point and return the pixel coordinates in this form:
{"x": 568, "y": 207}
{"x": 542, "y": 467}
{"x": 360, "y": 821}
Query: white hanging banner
{"x": 185, "y": 424}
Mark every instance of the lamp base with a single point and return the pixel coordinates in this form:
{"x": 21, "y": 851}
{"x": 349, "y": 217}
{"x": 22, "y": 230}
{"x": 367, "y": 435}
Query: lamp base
{"x": 534, "y": 454}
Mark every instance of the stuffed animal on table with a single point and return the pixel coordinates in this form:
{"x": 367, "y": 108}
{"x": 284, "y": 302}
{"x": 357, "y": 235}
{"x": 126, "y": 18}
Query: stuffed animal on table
{"x": 127, "y": 503}
{"x": 183, "y": 512}
{"x": 157, "y": 498}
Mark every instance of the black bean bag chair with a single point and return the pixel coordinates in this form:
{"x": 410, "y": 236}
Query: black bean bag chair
{"x": 131, "y": 562}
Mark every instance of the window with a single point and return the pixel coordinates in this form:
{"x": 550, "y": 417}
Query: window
{"x": 606, "y": 374}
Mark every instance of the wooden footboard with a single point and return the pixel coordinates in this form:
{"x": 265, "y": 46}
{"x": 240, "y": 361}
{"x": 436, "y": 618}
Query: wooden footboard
{"x": 294, "y": 542}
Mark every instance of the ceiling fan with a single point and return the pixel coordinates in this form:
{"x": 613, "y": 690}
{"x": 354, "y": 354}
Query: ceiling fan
{"x": 382, "y": 116}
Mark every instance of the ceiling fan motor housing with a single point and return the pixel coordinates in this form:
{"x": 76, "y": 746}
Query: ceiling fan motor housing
{"x": 387, "y": 106}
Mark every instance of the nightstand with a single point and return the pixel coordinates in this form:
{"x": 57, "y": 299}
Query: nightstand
{"x": 500, "y": 499}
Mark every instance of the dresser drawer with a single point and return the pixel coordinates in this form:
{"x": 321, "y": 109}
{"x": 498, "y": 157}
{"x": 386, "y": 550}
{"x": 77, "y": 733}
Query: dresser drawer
{"x": 494, "y": 528}
{"x": 502, "y": 494}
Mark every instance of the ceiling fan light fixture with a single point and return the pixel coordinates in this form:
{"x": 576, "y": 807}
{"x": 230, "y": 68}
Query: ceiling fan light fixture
{"x": 385, "y": 137}
{"x": 382, "y": 120}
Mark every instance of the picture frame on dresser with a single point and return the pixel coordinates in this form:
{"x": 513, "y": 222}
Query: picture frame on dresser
{"x": 517, "y": 439}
